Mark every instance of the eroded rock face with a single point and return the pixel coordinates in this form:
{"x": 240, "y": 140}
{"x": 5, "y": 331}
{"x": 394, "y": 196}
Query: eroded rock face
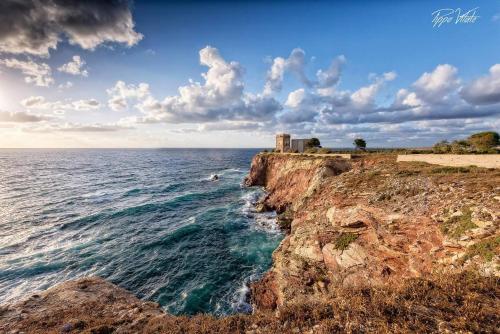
{"x": 88, "y": 305}
{"x": 372, "y": 221}
{"x": 291, "y": 179}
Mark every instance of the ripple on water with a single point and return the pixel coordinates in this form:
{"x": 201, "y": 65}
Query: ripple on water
{"x": 148, "y": 220}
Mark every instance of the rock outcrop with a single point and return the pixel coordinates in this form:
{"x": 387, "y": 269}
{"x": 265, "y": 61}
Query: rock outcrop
{"x": 372, "y": 221}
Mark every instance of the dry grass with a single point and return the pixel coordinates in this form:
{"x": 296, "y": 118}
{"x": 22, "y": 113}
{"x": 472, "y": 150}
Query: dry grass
{"x": 464, "y": 302}
{"x": 486, "y": 249}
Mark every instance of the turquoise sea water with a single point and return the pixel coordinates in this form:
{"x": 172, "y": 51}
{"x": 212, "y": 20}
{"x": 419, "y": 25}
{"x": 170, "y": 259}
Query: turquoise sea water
{"x": 150, "y": 221}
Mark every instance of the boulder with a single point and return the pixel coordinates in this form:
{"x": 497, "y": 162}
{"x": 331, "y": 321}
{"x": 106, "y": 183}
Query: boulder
{"x": 350, "y": 218}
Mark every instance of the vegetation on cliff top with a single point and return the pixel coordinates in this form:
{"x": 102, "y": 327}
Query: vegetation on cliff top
{"x": 344, "y": 240}
{"x": 463, "y": 302}
{"x": 456, "y": 226}
{"x": 482, "y": 142}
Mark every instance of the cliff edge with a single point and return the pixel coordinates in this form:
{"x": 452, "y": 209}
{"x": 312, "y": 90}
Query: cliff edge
{"x": 371, "y": 221}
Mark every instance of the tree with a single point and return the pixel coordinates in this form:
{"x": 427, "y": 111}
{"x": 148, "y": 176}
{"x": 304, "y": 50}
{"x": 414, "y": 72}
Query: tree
{"x": 484, "y": 140}
{"x": 460, "y": 147}
{"x": 313, "y": 142}
{"x": 360, "y": 143}
{"x": 442, "y": 147}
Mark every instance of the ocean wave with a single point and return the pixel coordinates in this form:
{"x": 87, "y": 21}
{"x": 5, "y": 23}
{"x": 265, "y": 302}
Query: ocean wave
{"x": 141, "y": 219}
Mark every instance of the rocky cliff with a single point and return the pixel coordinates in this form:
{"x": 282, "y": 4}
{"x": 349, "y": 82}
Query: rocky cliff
{"x": 371, "y": 221}
{"x": 372, "y": 246}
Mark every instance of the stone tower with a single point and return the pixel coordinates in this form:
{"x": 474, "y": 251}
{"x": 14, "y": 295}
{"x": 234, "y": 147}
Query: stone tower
{"x": 283, "y": 142}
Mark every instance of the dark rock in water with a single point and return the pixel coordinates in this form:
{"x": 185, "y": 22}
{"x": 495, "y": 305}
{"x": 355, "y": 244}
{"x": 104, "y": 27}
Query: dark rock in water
{"x": 214, "y": 177}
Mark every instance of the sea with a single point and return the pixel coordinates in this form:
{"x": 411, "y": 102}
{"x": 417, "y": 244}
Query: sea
{"x": 153, "y": 221}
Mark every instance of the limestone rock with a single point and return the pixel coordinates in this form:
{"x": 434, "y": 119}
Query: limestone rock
{"x": 337, "y": 260}
{"x": 353, "y": 217}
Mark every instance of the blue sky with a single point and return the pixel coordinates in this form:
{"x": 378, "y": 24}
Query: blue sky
{"x": 398, "y": 80}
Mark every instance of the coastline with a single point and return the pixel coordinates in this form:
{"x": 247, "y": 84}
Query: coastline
{"x": 367, "y": 223}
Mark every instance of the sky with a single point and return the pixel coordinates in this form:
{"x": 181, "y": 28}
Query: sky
{"x": 234, "y": 73}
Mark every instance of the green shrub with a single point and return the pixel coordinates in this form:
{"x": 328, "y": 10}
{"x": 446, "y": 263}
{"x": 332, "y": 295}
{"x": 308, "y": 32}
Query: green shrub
{"x": 484, "y": 140}
{"x": 344, "y": 240}
{"x": 313, "y": 142}
{"x": 456, "y": 226}
{"x": 486, "y": 249}
{"x": 460, "y": 147}
{"x": 360, "y": 143}
{"x": 442, "y": 147}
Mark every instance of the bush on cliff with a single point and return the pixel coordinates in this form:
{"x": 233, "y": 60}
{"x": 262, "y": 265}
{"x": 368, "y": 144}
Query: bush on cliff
{"x": 483, "y": 141}
{"x": 441, "y": 147}
{"x": 313, "y": 142}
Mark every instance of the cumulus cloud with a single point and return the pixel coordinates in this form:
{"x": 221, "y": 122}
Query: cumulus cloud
{"x": 296, "y": 64}
{"x": 332, "y": 105}
{"x": 75, "y": 67}
{"x": 37, "y": 26}
{"x": 121, "y": 93}
{"x": 40, "y": 103}
{"x": 20, "y": 117}
{"x": 331, "y": 76}
{"x": 484, "y": 90}
{"x": 39, "y": 74}
{"x": 275, "y": 75}
{"x": 435, "y": 86}
{"x": 66, "y": 85}
{"x": 220, "y": 97}
{"x": 435, "y": 95}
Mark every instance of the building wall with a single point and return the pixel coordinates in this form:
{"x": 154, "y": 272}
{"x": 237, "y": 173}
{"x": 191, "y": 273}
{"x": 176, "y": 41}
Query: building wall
{"x": 455, "y": 160}
{"x": 283, "y": 142}
{"x": 299, "y": 145}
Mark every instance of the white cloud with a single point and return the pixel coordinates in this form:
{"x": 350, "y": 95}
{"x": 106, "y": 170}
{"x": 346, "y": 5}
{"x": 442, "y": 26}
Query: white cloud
{"x": 435, "y": 86}
{"x": 75, "y": 67}
{"x": 40, "y": 103}
{"x": 220, "y": 97}
{"x": 66, "y": 85}
{"x": 295, "y": 98}
{"x": 39, "y": 74}
{"x": 20, "y": 117}
{"x": 122, "y": 92}
{"x": 275, "y": 76}
{"x": 484, "y": 90}
{"x": 36, "y": 27}
{"x": 365, "y": 96}
{"x": 296, "y": 63}
{"x": 331, "y": 76}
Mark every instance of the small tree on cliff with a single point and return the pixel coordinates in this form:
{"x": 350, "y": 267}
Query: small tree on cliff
{"x": 484, "y": 140}
{"x": 360, "y": 144}
{"x": 313, "y": 142}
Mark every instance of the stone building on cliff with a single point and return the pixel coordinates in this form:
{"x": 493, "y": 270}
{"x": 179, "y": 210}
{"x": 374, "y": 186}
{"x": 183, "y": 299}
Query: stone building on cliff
{"x": 284, "y": 143}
